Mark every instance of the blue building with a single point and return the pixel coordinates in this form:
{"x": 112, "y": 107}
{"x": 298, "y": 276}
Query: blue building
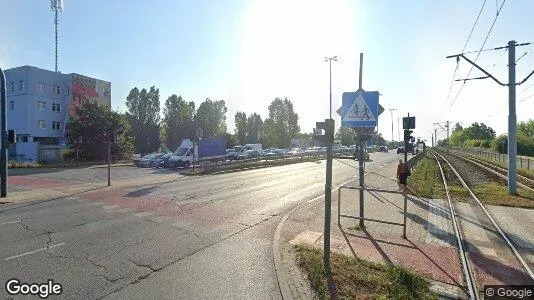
{"x": 39, "y": 103}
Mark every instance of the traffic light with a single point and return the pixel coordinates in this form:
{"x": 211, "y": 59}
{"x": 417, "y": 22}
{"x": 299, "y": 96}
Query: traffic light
{"x": 328, "y": 127}
{"x": 407, "y": 135}
{"x": 11, "y": 136}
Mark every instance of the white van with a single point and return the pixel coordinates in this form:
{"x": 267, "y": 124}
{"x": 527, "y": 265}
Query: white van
{"x": 256, "y": 147}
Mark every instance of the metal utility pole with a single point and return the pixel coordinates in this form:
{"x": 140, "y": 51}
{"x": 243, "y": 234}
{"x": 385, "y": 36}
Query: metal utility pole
{"x": 3, "y": 132}
{"x": 447, "y": 126}
{"x": 329, "y": 60}
{"x": 398, "y": 129}
{"x": 391, "y": 110}
{"x": 406, "y": 146}
{"x": 512, "y": 118}
{"x": 435, "y": 137}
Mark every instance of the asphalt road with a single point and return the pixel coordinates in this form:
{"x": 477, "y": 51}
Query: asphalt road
{"x": 200, "y": 237}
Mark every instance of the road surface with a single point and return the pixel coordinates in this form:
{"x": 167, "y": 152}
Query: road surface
{"x": 202, "y": 237}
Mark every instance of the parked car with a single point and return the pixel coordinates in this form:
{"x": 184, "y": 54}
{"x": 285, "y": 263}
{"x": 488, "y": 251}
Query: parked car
{"x": 149, "y": 160}
{"x": 249, "y": 154}
{"x": 274, "y": 152}
{"x": 295, "y": 151}
{"x": 163, "y": 161}
{"x": 365, "y": 154}
{"x": 383, "y": 149}
{"x": 400, "y": 150}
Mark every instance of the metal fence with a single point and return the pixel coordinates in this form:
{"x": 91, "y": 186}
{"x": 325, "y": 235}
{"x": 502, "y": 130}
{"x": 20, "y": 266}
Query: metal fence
{"x": 522, "y": 161}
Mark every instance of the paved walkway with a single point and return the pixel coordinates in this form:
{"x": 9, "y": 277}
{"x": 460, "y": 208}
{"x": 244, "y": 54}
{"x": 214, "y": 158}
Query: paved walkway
{"x": 428, "y": 250}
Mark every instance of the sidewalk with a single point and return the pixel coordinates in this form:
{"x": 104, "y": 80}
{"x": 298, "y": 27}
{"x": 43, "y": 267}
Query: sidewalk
{"x": 428, "y": 250}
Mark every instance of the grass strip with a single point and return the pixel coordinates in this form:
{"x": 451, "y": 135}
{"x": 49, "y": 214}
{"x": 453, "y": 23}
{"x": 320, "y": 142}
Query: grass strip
{"x": 359, "y": 279}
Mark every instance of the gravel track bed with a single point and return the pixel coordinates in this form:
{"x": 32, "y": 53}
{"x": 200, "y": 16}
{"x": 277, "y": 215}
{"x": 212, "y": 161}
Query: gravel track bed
{"x": 471, "y": 173}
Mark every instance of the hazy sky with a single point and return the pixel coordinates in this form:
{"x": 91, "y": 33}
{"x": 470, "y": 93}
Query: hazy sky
{"x": 248, "y": 52}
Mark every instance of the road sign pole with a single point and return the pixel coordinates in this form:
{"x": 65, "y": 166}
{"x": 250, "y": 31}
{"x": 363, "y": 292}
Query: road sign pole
{"x": 3, "y": 132}
{"x": 406, "y": 147}
{"x": 361, "y": 70}
{"x": 109, "y": 159}
{"x": 361, "y": 174}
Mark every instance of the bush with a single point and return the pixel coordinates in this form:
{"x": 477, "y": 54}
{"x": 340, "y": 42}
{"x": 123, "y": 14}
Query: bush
{"x": 525, "y": 145}
{"x": 486, "y": 144}
{"x": 500, "y": 144}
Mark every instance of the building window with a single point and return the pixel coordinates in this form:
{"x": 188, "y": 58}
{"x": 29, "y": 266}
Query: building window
{"x": 41, "y": 124}
{"x": 12, "y": 105}
{"x": 41, "y": 87}
{"x": 56, "y": 125}
{"x": 12, "y": 87}
{"x": 56, "y": 107}
{"x": 21, "y": 85}
{"x": 41, "y": 105}
{"x": 56, "y": 89}
{"x": 68, "y": 91}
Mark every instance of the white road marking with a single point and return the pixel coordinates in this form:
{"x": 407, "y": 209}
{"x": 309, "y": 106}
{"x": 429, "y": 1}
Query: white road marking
{"x": 11, "y": 222}
{"x": 95, "y": 203}
{"x": 125, "y": 210}
{"x": 143, "y": 214}
{"x": 33, "y": 252}
{"x": 110, "y": 206}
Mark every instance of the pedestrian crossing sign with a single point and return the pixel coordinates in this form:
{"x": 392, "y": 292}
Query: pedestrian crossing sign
{"x": 359, "y": 109}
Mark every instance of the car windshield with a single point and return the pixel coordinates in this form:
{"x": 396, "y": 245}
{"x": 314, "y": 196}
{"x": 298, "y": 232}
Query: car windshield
{"x": 181, "y": 151}
{"x": 206, "y": 149}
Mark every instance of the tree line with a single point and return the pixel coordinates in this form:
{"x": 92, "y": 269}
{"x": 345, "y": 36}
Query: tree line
{"x": 142, "y": 129}
{"x": 483, "y": 136}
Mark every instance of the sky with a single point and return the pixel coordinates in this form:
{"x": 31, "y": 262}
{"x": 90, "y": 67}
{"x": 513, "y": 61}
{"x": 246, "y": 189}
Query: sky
{"x": 247, "y": 52}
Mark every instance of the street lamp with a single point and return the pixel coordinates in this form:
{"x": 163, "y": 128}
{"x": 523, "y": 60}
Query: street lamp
{"x": 329, "y": 60}
{"x": 391, "y": 111}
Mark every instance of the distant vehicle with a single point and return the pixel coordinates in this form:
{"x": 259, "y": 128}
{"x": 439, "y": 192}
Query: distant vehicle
{"x": 257, "y": 147}
{"x": 400, "y": 150}
{"x": 365, "y": 154}
{"x": 313, "y": 150}
{"x": 235, "y": 152}
{"x": 208, "y": 149}
{"x": 163, "y": 161}
{"x": 249, "y": 154}
{"x": 295, "y": 151}
{"x": 383, "y": 149}
{"x": 149, "y": 160}
{"x": 275, "y": 152}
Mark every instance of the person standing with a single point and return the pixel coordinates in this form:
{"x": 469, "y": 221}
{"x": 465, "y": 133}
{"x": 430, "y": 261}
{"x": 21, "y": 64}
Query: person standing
{"x": 402, "y": 173}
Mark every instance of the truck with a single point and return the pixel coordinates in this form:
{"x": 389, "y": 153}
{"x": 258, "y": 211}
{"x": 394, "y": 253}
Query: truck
{"x": 208, "y": 149}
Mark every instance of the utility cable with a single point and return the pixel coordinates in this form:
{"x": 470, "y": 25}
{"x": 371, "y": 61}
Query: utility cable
{"x": 463, "y": 49}
{"x": 478, "y": 55}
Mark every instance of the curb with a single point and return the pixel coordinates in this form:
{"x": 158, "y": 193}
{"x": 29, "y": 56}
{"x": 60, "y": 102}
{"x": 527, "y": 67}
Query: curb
{"x": 280, "y": 275}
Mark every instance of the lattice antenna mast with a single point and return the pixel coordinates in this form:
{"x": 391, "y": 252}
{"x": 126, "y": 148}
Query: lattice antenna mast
{"x": 57, "y": 7}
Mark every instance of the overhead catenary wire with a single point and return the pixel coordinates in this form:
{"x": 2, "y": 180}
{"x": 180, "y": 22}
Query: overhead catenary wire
{"x": 463, "y": 49}
{"x": 478, "y": 55}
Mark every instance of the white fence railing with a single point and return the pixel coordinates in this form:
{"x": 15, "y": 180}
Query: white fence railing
{"x": 522, "y": 162}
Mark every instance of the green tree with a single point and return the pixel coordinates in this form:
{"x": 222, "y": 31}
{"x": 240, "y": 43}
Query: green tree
{"x": 269, "y": 134}
{"x": 231, "y": 140}
{"x": 241, "y": 127}
{"x": 285, "y": 120}
{"x": 143, "y": 116}
{"x": 178, "y": 120}
{"x": 211, "y": 117}
{"x": 253, "y": 128}
{"x": 86, "y": 132}
{"x": 346, "y": 135}
{"x": 526, "y": 128}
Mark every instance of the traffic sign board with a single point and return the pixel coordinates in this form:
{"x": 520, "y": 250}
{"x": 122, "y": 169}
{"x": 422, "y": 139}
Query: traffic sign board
{"x": 360, "y": 109}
